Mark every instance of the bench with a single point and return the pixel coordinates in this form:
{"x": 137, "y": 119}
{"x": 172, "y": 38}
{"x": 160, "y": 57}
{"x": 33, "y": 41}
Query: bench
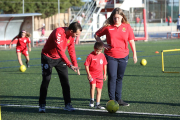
{"x": 7, "y": 42}
{"x": 172, "y": 33}
{"x": 36, "y": 38}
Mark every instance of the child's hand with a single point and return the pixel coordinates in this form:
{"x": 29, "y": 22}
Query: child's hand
{"x": 104, "y": 77}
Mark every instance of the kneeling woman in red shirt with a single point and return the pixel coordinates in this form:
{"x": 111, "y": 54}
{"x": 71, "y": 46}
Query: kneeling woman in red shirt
{"x": 23, "y": 39}
{"x": 118, "y": 33}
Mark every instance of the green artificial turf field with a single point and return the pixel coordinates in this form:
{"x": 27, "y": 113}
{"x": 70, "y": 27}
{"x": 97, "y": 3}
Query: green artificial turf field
{"x": 151, "y": 93}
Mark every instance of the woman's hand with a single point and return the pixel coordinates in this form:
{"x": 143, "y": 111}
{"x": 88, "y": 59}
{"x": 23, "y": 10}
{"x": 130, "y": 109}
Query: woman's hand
{"x": 107, "y": 47}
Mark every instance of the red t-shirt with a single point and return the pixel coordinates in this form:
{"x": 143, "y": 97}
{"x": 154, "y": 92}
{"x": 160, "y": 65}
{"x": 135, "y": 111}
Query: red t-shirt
{"x": 117, "y": 38}
{"x": 21, "y": 44}
{"x": 96, "y": 63}
{"x": 170, "y": 20}
{"x": 137, "y": 19}
{"x": 56, "y": 45}
{"x": 43, "y": 31}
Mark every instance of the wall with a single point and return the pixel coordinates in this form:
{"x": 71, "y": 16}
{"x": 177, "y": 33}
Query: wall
{"x": 51, "y": 22}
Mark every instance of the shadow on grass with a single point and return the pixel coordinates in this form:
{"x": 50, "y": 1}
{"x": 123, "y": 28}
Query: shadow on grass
{"x": 78, "y": 114}
{"x": 38, "y": 73}
{"x": 151, "y": 76}
{"x": 34, "y": 100}
{"x": 17, "y": 72}
{"x": 158, "y": 103}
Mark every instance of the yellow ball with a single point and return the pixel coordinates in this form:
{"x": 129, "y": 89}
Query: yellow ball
{"x": 112, "y": 106}
{"x": 22, "y": 68}
{"x": 143, "y": 62}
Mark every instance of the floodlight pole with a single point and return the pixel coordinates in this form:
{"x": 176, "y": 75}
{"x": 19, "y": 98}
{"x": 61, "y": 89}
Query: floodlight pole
{"x": 165, "y": 10}
{"x": 172, "y": 14}
{"x": 179, "y": 7}
{"x": 23, "y": 6}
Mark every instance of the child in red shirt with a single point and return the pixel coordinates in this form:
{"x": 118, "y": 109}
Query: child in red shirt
{"x": 95, "y": 65}
{"x": 23, "y": 39}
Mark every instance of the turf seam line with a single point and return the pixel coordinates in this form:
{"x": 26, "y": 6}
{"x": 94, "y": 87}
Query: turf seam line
{"x": 83, "y": 109}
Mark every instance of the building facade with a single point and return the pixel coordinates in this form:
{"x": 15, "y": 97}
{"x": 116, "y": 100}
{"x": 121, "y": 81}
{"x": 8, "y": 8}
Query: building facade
{"x": 160, "y": 10}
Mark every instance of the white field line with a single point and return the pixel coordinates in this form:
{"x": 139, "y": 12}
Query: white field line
{"x": 82, "y": 109}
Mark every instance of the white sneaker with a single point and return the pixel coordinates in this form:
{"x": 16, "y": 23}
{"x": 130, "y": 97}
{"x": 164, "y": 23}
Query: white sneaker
{"x": 69, "y": 107}
{"x": 42, "y": 108}
{"x": 99, "y": 107}
{"x": 91, "y": 103}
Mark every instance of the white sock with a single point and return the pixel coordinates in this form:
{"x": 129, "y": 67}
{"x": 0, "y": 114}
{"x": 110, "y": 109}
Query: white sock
{"x": 97, "y": 103}
{"x": 92, "y": 99}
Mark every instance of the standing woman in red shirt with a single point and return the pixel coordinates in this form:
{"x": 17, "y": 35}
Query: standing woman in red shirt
{"x": 23, "y": 39}
{"x": 118, "y": 33}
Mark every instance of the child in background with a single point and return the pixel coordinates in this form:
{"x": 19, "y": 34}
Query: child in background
{"x": 23, "y": 39}
{"x": 95, "y": 65}
{"x": 43, "y": 30}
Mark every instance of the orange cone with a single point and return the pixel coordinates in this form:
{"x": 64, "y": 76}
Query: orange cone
{"x": 156, "y": 52}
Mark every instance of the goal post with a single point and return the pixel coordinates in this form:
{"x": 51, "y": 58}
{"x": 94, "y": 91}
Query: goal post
{"x": 162, "y": 56}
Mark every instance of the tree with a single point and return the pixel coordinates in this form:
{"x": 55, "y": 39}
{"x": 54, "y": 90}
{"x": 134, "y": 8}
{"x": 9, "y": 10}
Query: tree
{"x": 9, "y": 6}
{"x": 46, "y": 7}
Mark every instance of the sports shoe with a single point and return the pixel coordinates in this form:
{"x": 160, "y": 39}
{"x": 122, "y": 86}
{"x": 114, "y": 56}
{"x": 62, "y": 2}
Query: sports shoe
{"x": 27, "y": 64}
{"x": 91, "y": 103}
{"x": 122, "y": 103}
{"x": 69, "y": 107}
{"x": 99, "y": 107}
{"x": 42, "y": 108}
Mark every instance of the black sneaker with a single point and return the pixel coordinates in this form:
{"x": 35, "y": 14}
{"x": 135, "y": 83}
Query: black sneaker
{"x": 69, "y": 107}
{"x": 42, "y": 108}
{"x": 91, "y": 103}
{"x": 122, "y": 103}
{"x": 27, "y": 64}
{"x": 99, "y": 107}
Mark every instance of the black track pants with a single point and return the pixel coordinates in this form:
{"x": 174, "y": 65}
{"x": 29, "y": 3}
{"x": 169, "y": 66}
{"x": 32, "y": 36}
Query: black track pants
{"x": 62, "y": 70}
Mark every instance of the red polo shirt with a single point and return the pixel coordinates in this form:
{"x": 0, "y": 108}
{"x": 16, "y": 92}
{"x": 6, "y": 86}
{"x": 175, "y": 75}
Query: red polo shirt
{"x": 21, "y": 44}
{"x": 117, "y": 38}
{"x": 56, "y": 45}
{"x": 96, "y": 63}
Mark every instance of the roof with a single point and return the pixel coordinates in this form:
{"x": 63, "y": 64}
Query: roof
{"x": 20, "y": 15}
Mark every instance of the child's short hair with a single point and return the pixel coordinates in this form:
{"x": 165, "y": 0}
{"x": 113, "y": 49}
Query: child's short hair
{"x": 98, "y": 45}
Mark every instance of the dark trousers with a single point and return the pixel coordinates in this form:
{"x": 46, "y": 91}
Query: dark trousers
{"x": 62, "y": 70}
{"x": 115, "y": 69}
